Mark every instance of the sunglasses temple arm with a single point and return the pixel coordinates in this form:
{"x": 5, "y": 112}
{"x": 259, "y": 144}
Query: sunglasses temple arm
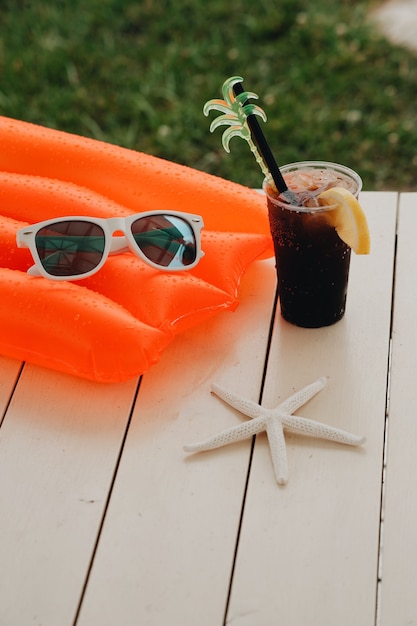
{"x": 34, "y": 271}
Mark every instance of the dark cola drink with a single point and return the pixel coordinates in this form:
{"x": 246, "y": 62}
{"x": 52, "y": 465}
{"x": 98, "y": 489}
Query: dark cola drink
{"x": 312, "y": 261}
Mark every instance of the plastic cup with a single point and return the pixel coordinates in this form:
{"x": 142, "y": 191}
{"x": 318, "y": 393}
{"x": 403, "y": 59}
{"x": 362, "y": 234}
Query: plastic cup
{"x": 312, "y": 261}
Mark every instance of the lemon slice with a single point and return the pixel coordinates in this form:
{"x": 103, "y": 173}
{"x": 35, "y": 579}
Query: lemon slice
{"x": 348, "y": 218}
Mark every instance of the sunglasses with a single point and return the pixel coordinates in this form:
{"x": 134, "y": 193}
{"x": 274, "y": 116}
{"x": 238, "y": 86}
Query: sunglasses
{"x": 71, "y": 248}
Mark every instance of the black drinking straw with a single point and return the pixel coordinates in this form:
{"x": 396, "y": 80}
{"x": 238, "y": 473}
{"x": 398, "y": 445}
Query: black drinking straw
{"x": 264, "y": 149}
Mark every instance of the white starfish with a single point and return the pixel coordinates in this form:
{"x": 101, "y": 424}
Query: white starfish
{"x": 273, "y": 421}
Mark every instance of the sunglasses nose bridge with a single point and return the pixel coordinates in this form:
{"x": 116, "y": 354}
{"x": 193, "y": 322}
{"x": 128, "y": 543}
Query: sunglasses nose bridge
{"x": 116, "y": 223}
{"x": 118, "y": 243}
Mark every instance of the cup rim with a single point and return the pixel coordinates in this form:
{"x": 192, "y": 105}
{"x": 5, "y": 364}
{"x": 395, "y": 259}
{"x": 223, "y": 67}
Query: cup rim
{"x": 312, "y": 164}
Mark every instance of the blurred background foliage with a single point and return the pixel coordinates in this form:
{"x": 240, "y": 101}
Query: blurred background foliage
{"x": 137, "y": 73}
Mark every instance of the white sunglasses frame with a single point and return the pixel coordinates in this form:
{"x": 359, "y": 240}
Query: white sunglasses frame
{"x": 25, "y": 238}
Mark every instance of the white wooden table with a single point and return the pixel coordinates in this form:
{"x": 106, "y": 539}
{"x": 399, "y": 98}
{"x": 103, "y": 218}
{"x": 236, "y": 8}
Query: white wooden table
{"x": 104, "y": 520}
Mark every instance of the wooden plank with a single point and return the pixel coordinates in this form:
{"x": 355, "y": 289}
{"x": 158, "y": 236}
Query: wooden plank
{"x": 9, "y": 373}
{"x": 60, "y": 443}
{"x": 167, "y": 547}
{"x": 399, "y": 551}
{"x": 308, "y": 552}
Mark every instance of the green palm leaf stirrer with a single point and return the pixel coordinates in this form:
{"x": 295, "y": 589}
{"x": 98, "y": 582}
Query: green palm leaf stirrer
{"x": 241, "y": 117}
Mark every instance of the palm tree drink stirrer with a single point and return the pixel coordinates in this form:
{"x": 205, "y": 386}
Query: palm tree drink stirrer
{"x": 241, "y": 117}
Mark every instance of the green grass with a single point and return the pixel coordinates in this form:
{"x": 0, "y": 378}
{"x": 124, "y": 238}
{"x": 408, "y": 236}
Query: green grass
{"x": 137, "y": 73}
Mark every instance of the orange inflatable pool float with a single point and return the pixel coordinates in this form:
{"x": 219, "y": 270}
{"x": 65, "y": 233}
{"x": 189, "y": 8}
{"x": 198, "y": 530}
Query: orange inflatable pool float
{"x": 115, "y": 324}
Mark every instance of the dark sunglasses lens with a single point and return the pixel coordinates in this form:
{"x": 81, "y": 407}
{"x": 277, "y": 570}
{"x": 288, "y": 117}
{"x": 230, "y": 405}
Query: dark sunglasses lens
{"x": 70, "y": 248}
{"x": 166, "y": 240}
